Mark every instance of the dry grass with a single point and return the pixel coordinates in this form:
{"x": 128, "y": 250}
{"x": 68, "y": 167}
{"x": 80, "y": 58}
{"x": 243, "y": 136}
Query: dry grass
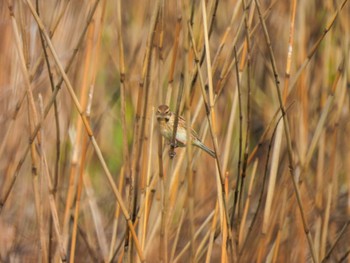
{"x": 85, "y": 175}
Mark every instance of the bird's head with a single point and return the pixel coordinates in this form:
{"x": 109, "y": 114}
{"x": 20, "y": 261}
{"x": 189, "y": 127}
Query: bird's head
{"x": 163, "y": 113}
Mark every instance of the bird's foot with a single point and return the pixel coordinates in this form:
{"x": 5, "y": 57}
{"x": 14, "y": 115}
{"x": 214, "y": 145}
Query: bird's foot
{"x": 172, "y": 153}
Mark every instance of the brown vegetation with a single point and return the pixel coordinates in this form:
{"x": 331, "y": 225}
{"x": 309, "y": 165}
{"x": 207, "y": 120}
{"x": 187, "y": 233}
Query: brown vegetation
{"x": 86, "y": 176}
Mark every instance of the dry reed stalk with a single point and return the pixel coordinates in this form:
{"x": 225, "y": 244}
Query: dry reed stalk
{"x": 199, "y": 105}
{"x": 321, "y": 155}
{"x": 318, "y": 233}
{"x": 341, "y": 233}
{"x": 278, "y": 140}
{"x": 187, "y": 105}
{"x": 224, "y": 39}
{"x": 246, "y": 59}
{"x": 116, "y": 217}
{"x": 189, "y": 173}
{"x": 202, "y": 247}
{"x": 127, "y": 168}
{"x": 156, "y": 221}
{"x": 320, "y": 168}
{"x": 212, "y": 126}
{"x": 164, "y": 179}
{"x": 101, "y": 237}
{"x": 239, "y": 98}
{"x": 272, "y": 179}
{"x": 20, "y": 101}
{"x": 145, "y": 191}
{"x": 212, "y": 15}
{"x": 330, "y": 189}
{"x": 316, "y": 45}
{"x": 286, "y": 242}
{"x": 10, "y": 128}
{"x": 331, "y": 185}
{"x": 303, "y": 99}
{"x": 173, "y": 60}
{"x": 89, "y": 247}
{"x": 263, "y": 137}
{"x": 228, "y": 140}
{"x": 57, "y": 123}
{"x": 43, "y": 208}
{"x": 177, "y": 114}
{"x": 52, "y": 30}
{"x": 174, "y": 180}
{"x": 145, "y": 85}
{"x": 325, "y": 223}
{"x": 280, "y": 227}
{"x": 242, "y": 230}
{"x": 250, "y": 228}
{"x": 139, "y": 128}
{"x": 177, "y": 235}
{"x": 165, "y": 183}
{"x": 97, "y": 220}
{"x": 122, "y": 87}
{"x": 227, "y": 68}
{"x": 217, "y": 55}
{"x": 307, "y": 60}
{"x": 79, "y": 153}
{"x": 91, "y": 52}
{"x": 197, "y": 234}
{"x": 212, "y": 233}
{"x": 120, "y": 244}
{"x": 147, "y": 149}
{"x": 320, "y": 125}
{"x": 52, "y": 204}
{"x": 88, "y": 129}
{"x": 200, "y": 74}
{"x": 288, "y": 136}
{"x": 160, "y": 52}
{"x": 33, "y": 120}
{"x": 47, "y": 109}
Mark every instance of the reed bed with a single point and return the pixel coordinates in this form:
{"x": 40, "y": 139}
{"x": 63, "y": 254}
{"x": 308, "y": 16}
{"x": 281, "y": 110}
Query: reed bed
{"x": 86, "y": 175}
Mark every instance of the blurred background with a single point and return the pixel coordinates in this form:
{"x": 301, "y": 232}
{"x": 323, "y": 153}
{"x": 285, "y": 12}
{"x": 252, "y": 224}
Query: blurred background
{"x": 277, "y": 197}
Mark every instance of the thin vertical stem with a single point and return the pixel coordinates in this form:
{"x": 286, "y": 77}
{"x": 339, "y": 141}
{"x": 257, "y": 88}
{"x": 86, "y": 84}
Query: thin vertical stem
{"x": 33, "y": 120}
{"x": 88, "y": 130}
{"x": 287, "y": 134}
{"x": 47, "y": 109}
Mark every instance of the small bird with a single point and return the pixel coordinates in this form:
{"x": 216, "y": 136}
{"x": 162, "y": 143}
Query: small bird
{"x": 166, "y": 120}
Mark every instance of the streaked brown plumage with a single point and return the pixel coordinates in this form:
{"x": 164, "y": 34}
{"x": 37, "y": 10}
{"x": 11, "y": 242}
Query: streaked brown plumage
{"x": 166, "y": 120}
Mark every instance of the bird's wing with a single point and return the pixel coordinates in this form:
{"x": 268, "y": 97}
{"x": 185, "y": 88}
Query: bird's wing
{"x": 194, "y": 134}
{"x": 182, "y": 123}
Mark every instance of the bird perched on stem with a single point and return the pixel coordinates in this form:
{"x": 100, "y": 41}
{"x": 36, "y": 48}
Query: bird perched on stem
{"x": 166, "y": 120}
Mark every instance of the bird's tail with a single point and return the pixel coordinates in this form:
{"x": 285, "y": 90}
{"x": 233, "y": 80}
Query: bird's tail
{"x": 205, "y": 148}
